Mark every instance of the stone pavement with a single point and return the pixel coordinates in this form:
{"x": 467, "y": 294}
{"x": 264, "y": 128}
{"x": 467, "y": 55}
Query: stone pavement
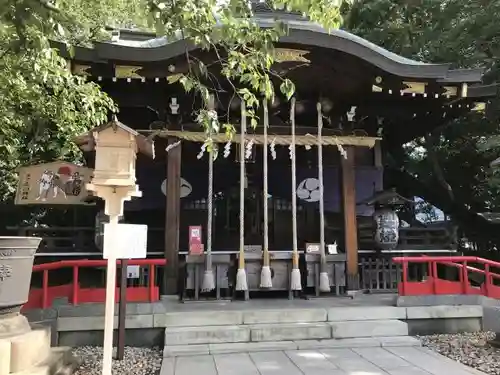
{"x": 355, "y": 361}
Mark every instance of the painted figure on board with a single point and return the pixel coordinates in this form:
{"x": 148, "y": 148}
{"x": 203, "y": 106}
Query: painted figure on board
{"x": 44, "y": 185}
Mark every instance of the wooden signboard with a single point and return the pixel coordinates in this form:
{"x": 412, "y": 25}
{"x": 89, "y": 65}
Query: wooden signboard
{"x": 53, "y": 183}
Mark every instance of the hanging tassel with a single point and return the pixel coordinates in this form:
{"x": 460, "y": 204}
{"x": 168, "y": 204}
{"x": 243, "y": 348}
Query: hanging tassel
{"x": 296, "y": 283}
{"x": 272, "y": 148}
{"x": 227, "y": 149}
{"x": 265, "y": 275}
{"x": 208, "y": 283}
{"x": 324, "y": 281}
{"x": 248, "y": 149}
{"x": 241, "y": 275}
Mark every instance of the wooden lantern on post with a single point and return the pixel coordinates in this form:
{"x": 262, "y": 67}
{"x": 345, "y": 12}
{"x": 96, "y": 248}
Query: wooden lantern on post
{"x": 116, "y": 146}
{"x": 116, "y": 153}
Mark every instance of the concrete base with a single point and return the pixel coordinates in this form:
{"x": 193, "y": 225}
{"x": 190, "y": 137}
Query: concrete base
{"x": 27, "y": 351}
{"x": 446, "y": 300}
{"x": 14, "y": 324}
{"x": 146, "y": 323}
{"x": 491, "y": 318}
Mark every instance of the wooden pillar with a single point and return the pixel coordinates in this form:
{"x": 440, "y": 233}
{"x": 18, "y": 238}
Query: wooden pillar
{"x": 348, "y": 177}
{"x": 377, "y": 153}
{"x": 172, "y": 218}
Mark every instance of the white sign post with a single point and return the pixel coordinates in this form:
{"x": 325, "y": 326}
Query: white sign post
{"x": 115, "y": 246}
{"x": 125, "y": 241}
{"x": 121, "y": 241}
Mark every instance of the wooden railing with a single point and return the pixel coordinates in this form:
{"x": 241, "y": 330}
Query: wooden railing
{"x": 146, "y": 290}
{"x": 413, "y": 238}
{"x": 466, "y": 271}
{"x": 379, "y": 274}
{"x": 81, "y": 239}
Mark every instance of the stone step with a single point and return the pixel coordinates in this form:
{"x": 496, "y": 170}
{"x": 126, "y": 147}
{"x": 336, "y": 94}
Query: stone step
{"x": 272, "y": 316}
{"x": 283, "y": 332}
{"x": 247, "y": 333}
{"x": 206, "y": 335}
{"x": 226, "y": 348}
{"x": 290, "y": 331}
{"x": 369, "y": 328}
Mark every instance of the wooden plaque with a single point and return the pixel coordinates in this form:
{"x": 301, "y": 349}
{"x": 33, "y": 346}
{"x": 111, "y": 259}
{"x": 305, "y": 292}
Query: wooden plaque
{"x": 53, "y": 183}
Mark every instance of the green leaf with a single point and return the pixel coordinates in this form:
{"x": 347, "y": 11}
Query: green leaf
{"x": 174, "y": 78}
{"x": 287, "y": 88}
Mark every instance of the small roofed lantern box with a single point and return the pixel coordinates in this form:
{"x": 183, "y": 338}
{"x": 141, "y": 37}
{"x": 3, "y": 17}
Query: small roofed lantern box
{"x": 116, "y": 150}
{"x": 386, "y": 220}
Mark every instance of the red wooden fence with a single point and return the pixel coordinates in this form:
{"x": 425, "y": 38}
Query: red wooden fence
{"x": 451, "y": 283}
{"x": 43, "y": 297}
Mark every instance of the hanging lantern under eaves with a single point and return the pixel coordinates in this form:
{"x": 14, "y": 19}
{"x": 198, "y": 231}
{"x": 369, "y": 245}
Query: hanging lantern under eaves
{"x": 385, "y": 217}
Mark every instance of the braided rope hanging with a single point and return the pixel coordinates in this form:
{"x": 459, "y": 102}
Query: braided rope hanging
{"x": 265, "y": 276}
{"x": 208, "y": 283}
{"x": 295, "y": 279}
{"x": 324, "y": 281}
{"x": 241, "y": 277}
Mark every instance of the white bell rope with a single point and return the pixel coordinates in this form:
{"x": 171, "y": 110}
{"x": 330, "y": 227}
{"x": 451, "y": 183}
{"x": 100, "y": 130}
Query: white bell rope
{"x": 208, "y": 283}
{"x": 265, "y": 276}
{"x": 241, "y": 276}
{"x": 324, "y": 281}
{"x": 295, "y": 283}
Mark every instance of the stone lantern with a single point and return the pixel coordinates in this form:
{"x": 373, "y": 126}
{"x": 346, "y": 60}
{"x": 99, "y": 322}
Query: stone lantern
{"x": 385, "y": 217}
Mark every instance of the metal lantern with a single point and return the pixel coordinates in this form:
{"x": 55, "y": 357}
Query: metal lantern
{"x": 386, "y": 234}
{"x": 386, "y": 220}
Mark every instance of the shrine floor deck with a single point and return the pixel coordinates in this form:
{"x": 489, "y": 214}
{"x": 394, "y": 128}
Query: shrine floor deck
{"x": 282, "y": 303}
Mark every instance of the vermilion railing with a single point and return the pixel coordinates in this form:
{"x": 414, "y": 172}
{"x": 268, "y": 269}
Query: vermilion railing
{"x": 43, "y": 297}
{"x": 450, "y": 282}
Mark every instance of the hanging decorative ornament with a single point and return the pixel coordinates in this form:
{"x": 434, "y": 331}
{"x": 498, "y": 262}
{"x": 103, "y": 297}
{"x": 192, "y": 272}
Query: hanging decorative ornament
{"x": 272, "y": 148}
{"x": 227, "y": 149}
{"x": 202, "y": 151}
{"x": 172, "y": 145}
{"x": 351, "y": 114}
{"x": 248, "y": 149}
{"x": 342, "y": 151}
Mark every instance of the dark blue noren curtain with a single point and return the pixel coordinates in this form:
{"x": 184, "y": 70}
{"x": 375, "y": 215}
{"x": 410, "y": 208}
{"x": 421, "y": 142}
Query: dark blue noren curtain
{"x": 151, "y": 175}
{"x": 368, "y": 180}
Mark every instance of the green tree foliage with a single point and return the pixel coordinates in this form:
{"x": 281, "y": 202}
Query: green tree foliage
{"x": 449, "y": 167}
{"x": 43, "y": 106}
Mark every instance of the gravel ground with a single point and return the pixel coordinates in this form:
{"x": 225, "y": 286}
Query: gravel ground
{"x": 471, "y": 349}
{"x": 136, "y": 361}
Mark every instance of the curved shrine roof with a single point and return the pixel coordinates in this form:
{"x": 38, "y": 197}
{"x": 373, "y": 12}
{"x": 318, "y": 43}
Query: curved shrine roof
{"x": 143, "y": 47}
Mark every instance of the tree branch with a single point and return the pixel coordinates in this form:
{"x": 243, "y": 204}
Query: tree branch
{"x": 430, "y": 140}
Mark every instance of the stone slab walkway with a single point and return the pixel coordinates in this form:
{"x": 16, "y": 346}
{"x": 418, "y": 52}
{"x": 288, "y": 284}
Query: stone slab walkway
{"x": 355, "y": 361}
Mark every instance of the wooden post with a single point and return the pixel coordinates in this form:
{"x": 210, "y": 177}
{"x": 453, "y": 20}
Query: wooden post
{"x": 377, "y": 153}
{"x": 122, "y": 310}
{"x": 348, "y": 178}
{"x": 172, "y": 218}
